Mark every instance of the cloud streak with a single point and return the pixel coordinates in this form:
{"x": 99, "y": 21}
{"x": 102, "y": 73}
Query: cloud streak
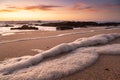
{"x": 74, "y": 7}
{"x": 84, "y": 7}
{"x": 42, "y": 7}
{"x": 29, "y": 8}
{"x": 7, "y": 10}
{"x": 95, "y": 8}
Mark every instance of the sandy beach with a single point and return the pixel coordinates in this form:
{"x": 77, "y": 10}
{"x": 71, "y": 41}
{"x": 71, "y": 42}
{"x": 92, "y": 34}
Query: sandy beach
{"x": 59, "y": 39}
{"x": 105, "y": 68}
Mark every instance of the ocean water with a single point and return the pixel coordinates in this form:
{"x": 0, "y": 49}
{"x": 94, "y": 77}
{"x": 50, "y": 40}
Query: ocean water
{"x": 5, "y": 31}
{"x": 46, "y": 28}
{"x": 61, "y": 60}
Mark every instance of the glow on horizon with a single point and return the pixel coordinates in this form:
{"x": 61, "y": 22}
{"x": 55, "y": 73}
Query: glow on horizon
{"x": 60, "y": 10}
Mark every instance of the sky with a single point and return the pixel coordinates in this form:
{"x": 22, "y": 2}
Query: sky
{"x": 79, "y": 10}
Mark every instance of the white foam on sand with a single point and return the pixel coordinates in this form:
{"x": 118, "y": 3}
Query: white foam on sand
{"x": 37, "y": 50}
{"x": 60, "y": 60}
{"x": 7, "y": 34}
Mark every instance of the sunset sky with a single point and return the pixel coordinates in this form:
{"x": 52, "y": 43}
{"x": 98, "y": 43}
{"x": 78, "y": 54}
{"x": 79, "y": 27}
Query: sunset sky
{"x": 83, "y": 10}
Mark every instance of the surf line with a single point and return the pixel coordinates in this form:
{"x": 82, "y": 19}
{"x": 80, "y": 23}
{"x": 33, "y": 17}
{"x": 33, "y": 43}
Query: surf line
{"x": 62, "y": 48}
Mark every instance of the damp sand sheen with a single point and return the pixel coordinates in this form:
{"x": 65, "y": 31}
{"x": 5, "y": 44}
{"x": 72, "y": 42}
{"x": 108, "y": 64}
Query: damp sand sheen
{"x": 61, "y": 60}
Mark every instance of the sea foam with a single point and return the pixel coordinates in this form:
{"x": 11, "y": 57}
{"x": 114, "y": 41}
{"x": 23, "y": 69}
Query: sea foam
{"x": 60, "y": 60}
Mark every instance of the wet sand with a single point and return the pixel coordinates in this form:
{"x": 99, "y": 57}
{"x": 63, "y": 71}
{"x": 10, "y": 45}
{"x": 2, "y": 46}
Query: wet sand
{"x": 106, "y": 68}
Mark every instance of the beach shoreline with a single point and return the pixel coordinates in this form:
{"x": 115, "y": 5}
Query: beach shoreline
{"x": 104, "y": 68}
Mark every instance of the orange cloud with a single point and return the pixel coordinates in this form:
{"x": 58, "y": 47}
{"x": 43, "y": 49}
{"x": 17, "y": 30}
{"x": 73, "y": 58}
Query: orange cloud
{"x": 10, "y": 9}
{"x": 7, "y": 10}
{"x": 36, "y": 7}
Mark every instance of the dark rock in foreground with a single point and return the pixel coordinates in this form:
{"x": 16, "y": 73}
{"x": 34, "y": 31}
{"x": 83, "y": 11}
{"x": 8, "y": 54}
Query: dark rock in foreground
{"x": 63, "y": 28}
{"x": 25, "y": 27}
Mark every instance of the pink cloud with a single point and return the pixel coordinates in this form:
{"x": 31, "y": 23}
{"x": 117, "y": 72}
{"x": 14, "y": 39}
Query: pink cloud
{"x": 41, "y": 7}
{"x": 84, "y": 7}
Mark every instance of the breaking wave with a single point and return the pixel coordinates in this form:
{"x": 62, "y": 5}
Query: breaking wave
{"x": 60, "y": 60}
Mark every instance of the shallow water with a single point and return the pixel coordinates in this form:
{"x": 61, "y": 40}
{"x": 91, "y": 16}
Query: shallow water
{"x": 5, "y": 31}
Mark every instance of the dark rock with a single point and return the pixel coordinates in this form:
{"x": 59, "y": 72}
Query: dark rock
{"x": 64, "y": 28}
{"x": 25, "y": 27}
